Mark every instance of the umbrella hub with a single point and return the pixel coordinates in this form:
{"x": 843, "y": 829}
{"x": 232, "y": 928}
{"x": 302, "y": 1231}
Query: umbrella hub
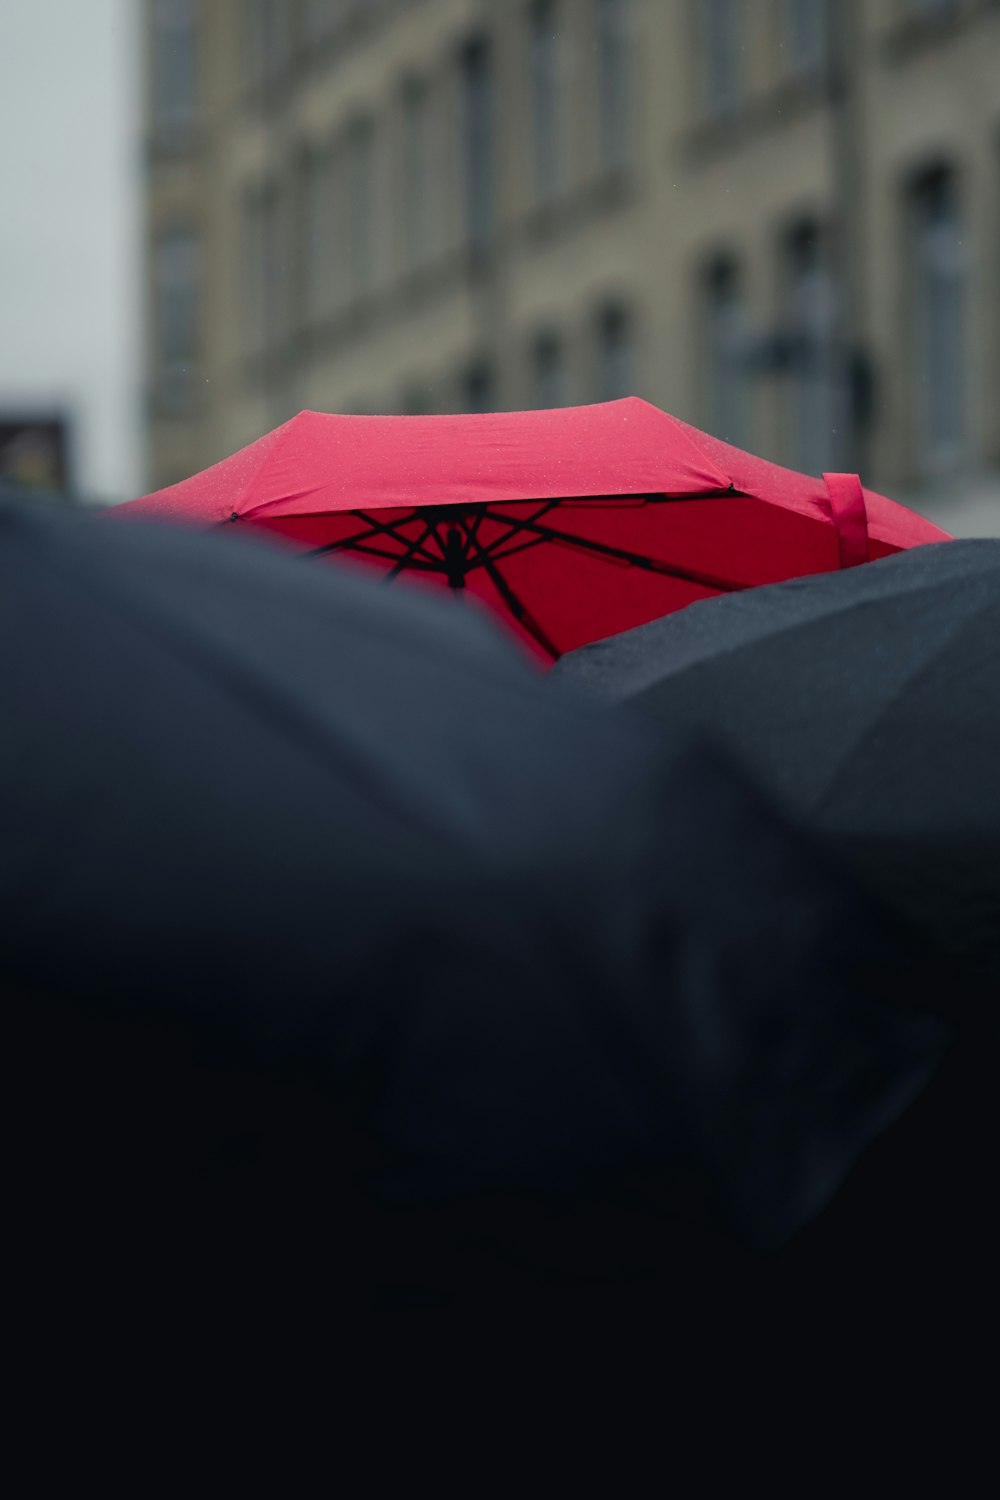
{"x": 454, "y": 557}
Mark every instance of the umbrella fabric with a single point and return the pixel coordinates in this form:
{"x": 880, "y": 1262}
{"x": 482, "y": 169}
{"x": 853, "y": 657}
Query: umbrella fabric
{"x": 571, "y": 524}
{"x": 335, "y": 936}
{"x": 867, "y": 702}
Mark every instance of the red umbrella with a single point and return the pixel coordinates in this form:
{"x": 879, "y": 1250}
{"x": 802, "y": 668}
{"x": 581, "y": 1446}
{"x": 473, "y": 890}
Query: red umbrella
{"x": 574, "y": 524}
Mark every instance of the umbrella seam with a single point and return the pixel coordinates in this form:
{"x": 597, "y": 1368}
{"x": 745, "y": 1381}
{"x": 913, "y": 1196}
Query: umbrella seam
{"x": 269, "y": 455}
{"x": 727, "y": 492}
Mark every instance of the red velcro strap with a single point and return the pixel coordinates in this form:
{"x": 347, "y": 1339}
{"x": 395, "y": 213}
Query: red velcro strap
{"x": 847, "y": 504}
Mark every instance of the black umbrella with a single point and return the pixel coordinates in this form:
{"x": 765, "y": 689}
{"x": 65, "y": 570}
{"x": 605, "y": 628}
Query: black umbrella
{"x": 867, "y": 702}
{"x": 345, "y": 955}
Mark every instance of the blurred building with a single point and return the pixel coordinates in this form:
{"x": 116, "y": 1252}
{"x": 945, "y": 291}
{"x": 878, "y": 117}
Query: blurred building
{"x": 779, "y": 219}
{"x": 71, "y": 250}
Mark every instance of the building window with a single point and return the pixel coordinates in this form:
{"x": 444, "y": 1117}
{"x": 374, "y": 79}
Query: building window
{"x": 545, "y": 95}
{"x": 549, "y": 371}
{"x": 266, "y": 271}
{"x": 477, "y": 139}
{"x": 932, "y": 10}
{"x": 320, "y": 18}
{"x": 725, "y": 340}
{"x": 814, "y": 391}
{"x": 417, "y": 399}
{"x": 361, "y": 199}
{"x": 267, "y": 39}
{"x": 722, "y": 49}
{"x": 174, "y": 83}
{"x": 614, "y": 82}
{"x": 806, "y": 30}
{"x": 417, "y": 172}
{"x": 614, "y": 354}
{"x": 938, "y": 280}
{"x": 175, "y": 317}
{"x": 318, "y": 239}
{"x": 478, "y": 392}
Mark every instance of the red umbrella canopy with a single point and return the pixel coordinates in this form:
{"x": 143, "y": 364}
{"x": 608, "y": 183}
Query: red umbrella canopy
{"x": 573, "y": 524}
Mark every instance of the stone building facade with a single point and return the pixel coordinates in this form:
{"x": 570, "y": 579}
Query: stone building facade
{"x": 779, "y": 219}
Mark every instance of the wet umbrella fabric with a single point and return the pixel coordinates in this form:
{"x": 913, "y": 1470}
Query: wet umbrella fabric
{"x": 570, "y": 524}
{"x": 867, "y": 702}
{"x": 329, "y": 924}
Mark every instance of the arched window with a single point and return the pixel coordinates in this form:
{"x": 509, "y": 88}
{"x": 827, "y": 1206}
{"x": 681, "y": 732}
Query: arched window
{"x": 174, "y": 82}
{"x": 814, "y": 388}
{"x": 546, "y": 95}
{"x": 938, "y": 275}
{"x": 549, "y": 371}
{"x": 175, "y": 317}
{"x": 725, "y": 348}
{"x": 721, "y": 23}
{"x": 615, "y": 355}
{"x": 806, "y": 32}
{"x": 477, "y": 139}
{"x": 614, "y": 79}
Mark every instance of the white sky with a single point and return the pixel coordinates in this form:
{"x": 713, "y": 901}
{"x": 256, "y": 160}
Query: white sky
{"x": 70, "y": 212}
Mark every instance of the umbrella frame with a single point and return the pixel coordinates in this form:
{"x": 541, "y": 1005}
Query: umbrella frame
{"x": 453, "y": 530}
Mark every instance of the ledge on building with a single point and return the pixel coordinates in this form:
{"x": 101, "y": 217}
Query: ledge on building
{"x": 918, "y": 32}
{"x": 794, "y": 96}
{"x": 422, "y": 284}
{"x": 608, "y": 191}
{"x": 345, "y": 31}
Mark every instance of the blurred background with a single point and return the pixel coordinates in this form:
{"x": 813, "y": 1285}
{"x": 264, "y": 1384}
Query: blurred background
{"x": 777, "y": 219}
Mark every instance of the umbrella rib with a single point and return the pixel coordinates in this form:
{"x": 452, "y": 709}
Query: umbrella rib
{"x": 480, "y": 516}
{"x": 522, "y": 524}
{"x": 433, "y": 526}
{"x": 415, "y": 546}
{"x": 389, "y": 530}
{"x": 516, "y": 605}
{"x": 393, "y": 557}
{"x": 375, "y": 528}
{"x": 347, "y": 541}
{"x": 493, "y": 550}
{"x": 511, "y": 524}
{"x": 534, "y": 541}
{"x": 620, "y": 554}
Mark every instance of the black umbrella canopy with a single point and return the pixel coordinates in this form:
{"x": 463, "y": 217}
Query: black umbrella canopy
{"x": 330, "y": 927}
{"x": 868, "y": 702}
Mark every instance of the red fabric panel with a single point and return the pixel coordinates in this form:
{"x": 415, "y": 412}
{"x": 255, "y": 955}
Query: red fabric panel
{"x": 880, "y": 549}
{"x": 888, "y": 521}
{"x": 211, "y": 496}
{"x": 896, "y": 527}
{"x": 317, "y": 462}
